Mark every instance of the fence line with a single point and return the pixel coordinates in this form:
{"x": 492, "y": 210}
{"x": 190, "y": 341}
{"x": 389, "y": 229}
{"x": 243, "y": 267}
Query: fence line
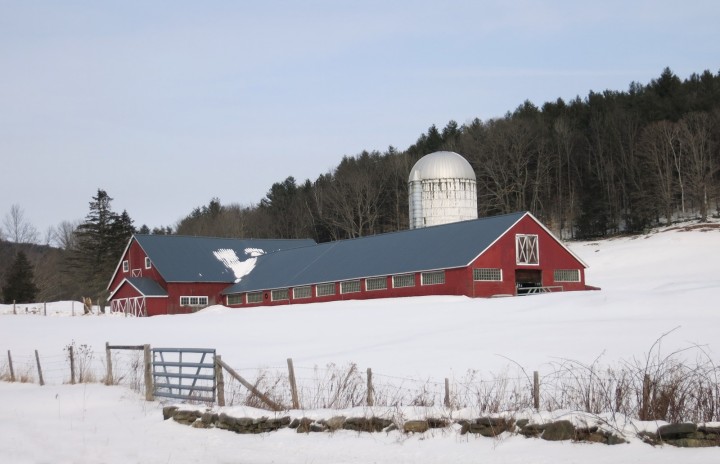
{"x": 669, "y": 389}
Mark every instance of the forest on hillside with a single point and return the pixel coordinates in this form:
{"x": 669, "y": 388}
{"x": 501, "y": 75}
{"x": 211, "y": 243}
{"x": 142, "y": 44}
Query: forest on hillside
{"x": 612, "y": 162}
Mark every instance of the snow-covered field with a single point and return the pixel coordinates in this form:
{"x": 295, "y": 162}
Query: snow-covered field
{"x": 667, "y": 282}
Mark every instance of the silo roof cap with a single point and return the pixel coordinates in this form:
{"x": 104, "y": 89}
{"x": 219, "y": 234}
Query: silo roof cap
{"x": 442, "y": 165}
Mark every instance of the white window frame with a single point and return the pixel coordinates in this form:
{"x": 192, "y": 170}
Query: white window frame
{"x": 126, "y": 266}
{"x": 327, "y": 289}
{"x": 254, "y": 297}
{"x": 403, "y": 280}
{"x": 527, "y": 249}
{"x": 566, "y": 275}
{"x": 373, "y": 284}
{"x": 432, "y": 278}
{"x": 194, "y": 301}
{"x": 302, "y": 292}
{"x": 240, "y": 297}
{"x": 350, "y": 286}
{"x": 279, "y": 294}
{"x": 148, "y": 264}
{"x": 487, "y": 274}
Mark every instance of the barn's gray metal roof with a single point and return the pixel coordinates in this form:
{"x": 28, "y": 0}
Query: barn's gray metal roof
{"x": 146, "y": 287}
{"x": 438, "y": 247}
{"x": 181, "y": 258}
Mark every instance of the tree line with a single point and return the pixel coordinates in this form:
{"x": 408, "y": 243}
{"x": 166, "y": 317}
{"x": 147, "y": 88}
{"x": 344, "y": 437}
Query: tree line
{"x": 612, "y": 162}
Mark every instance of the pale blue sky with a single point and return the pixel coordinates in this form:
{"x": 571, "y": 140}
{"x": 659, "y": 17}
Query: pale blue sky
{"x": 166, "y": 104}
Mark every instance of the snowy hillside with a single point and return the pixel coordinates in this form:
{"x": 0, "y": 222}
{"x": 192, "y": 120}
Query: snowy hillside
{"x": 666, "y": 282}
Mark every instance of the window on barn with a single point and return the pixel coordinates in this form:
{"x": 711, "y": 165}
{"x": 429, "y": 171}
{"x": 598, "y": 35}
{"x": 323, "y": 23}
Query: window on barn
{"x": 432, "y": 278}
{"x": 236, "y": 299}
{"x": 194, "y": 301}
{"x": 487, "y": 274}
{"x": 126, "y": 266}
{"x": 376, "y": 283}
{"x": 302, "y": 292}
{"x": 279, "y": 294}
{"x": 566, "y": 275}
{"x": 147, "y": 263}
{"x": 254, "y": 297}
{"x": 350, "y": 286}
{"x": 526, "y": 249}
{"x": 325, "y": 289}
{"x": 403, "y": 280}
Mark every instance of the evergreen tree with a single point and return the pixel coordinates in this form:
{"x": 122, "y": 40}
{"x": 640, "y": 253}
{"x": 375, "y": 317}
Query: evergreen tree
{"x": 101, "y": 238}
{"x": 20, "y": 284}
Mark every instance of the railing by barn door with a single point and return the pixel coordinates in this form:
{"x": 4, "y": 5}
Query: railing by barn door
{"x": 184, "y": 374}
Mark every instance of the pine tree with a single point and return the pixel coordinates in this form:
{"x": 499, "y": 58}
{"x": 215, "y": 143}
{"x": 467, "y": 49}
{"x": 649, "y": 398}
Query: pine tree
{"x": 20, "y": 285}
{"x": 101, "y": 238}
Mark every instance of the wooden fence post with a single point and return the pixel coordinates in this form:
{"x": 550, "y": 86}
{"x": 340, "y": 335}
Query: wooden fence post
{"x": 148, "y": 374}
{"x": 44, "y": 309}
{"x": 645, "y": 407}
{"x": 14, "y": 308}
{"x": 370, "y": 391}
{"x": 108, "y": 358}
{"x": 12, "y": 372}
{"x": 37, "y": 359}
{"x": 293, "y": 384}
{"x": 536, "y": 390}
{"x": 220, "y": 380}
{"x": 72, "y": 365}
{"x": 446, "y": 402}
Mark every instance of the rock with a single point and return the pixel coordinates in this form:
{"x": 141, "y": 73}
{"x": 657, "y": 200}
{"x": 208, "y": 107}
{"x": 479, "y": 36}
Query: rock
{"x": 209, "y": 418}
{"x": 186, "y": 417}
{"x": 489, "y": 426}
{"x": 415, "y": 426}
{"x": 522, "y": 423}
{"x": 559, "y": 430}
{"x": 169, "y": 411}
{"x": 304, "y": 425}
{"x": 532, "y": 430}
{"x": 334, "y": 423}
{"x": 295, "y": 423}
{"x": 691, "y": 443}
{"x": 434, "y": 423}
{"x": 672, "y": 431}
{"x": 709, "y": 430}
{"x": 364, "y": 424}
{"x": 615, "y": 440}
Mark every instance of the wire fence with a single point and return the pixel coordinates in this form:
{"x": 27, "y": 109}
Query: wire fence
{"x": 670, "y": 388}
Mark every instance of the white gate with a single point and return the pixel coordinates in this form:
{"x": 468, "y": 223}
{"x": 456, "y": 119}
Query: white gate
{"x": 129, "y": 306}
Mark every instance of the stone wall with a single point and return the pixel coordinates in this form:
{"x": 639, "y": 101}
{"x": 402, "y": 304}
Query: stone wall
{"x": 681, "y": 435}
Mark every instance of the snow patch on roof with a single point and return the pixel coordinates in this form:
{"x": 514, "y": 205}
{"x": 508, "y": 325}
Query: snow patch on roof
{"x": 240, "y": 268}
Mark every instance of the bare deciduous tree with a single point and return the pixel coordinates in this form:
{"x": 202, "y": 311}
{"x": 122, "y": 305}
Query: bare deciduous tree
{"x": 17, "y": 228}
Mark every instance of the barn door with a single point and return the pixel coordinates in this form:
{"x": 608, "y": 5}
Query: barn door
{"x": 527, "y": 279}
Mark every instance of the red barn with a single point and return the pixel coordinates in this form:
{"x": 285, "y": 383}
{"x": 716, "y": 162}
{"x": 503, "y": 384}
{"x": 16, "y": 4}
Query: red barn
{"x": 502, "y": 255}
{"x": 511, "y": 254}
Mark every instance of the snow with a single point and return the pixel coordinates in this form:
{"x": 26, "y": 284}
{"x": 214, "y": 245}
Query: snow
{"x": 665, "y": 282}
{"x": 240, "y": 268}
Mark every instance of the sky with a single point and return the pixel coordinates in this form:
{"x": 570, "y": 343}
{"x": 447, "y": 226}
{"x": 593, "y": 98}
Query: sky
{"x": 168, "y": 104}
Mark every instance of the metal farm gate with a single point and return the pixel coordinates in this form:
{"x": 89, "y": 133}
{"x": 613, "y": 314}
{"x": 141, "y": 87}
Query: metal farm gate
{"x": 184, "y": 374}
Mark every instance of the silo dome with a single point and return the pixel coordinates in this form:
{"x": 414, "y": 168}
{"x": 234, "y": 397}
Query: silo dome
{"x": 442, "y": 189}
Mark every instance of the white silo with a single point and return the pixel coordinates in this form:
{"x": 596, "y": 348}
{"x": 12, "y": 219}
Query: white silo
{"x": 442, "y": 189}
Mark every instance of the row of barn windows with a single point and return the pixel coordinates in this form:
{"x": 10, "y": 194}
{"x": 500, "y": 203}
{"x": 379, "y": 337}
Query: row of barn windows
{"x": 346, "y": 287}
{"x": 371, "y": 284}
{"x": 380, "y": 283}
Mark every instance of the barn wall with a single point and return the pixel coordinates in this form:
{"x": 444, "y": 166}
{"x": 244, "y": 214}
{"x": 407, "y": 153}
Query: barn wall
{"x": 501, "y": 254}
{"x": 176, "y": 290}
{"x": 136, "y": 260}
